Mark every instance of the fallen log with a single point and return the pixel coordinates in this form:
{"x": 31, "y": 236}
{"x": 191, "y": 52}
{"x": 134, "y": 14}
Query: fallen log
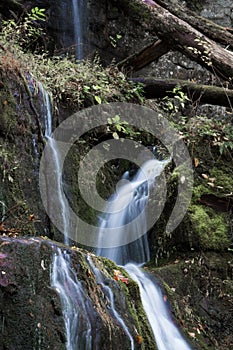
{"x": 144, "y": 57}
{"x": 181, "y": 36}
{"x": 204, "y": 94}
{"x": 212, "y": 30}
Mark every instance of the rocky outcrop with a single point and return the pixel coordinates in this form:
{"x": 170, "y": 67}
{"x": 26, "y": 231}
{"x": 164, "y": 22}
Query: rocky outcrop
{"x": 200, "y": 289}
{"x": 30, "y": 309}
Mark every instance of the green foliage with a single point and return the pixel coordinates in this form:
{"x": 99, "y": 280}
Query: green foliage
{"x": 26, "y": 31}
{"x": 84, "y": 84}
{"x": 215, "y": 133}
{"x": 115, "y": 39}
{"x": 172, "y": 105}
{"x": 118, "y": 126}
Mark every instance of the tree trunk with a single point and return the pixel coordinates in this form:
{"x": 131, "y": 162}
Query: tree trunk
{"x": 144, "y": 57}
{"x": 180, "y": 35}
{"x": 212, "y": 30}
{"x": 158, "y": 88}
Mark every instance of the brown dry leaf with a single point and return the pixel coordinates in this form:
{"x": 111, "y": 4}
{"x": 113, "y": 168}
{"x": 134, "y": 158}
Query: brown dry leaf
{"x": 31, "y": 217}
{"x": 196, "y": 162}
{"x": 193, "y": 335}
{"x": 205, "y": 176}
{"x": 210, "y": 184}
{"x": 139, "y": 339}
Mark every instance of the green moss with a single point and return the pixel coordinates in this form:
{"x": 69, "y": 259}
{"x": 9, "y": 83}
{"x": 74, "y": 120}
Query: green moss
{"x": 223, "y": 179}
{"x": 210, "y": 228}
{"x": 7, "y": 112}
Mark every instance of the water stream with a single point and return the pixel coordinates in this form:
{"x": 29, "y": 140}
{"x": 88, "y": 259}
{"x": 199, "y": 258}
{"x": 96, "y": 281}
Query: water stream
{"x": 76, "y": 307}
{"x": 55, "y": 164}
{"x": 136, "y": 193}
{"x": 79, "y": 7}
{"x": 107, "y": 290}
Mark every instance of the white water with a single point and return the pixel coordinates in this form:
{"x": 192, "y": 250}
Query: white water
{"x": 107, "y": 290}
{"x": 136, "y": 193}
{"x": 165, "y": 332}
{"x": 79, "y": 15}
{"x": 56, "y": 164}
{"x": 127, "y": 206}
{"x": 75, "y": 305}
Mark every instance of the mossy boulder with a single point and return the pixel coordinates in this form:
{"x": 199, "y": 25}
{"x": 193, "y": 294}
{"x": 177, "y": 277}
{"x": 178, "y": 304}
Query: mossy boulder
{"x": 30, "y": 309}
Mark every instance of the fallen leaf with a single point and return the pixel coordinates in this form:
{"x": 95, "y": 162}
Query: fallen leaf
{"x": 205, "y": 176}
{"x": 31, "y": 217}
{"x": 42, "y": 265}
{"x": 193, "y": 335}
{"x": 139, "y": 339}
{"x": 196, "y": 162}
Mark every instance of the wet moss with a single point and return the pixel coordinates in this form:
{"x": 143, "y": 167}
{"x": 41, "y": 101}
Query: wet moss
{"x": 7, "y": 112}
{"x": 210, "y": 227}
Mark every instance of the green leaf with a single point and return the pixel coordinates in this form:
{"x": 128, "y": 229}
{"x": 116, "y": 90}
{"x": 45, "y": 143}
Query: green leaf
{"x": 98, "y": 99}
{"x": 115, "y": 136}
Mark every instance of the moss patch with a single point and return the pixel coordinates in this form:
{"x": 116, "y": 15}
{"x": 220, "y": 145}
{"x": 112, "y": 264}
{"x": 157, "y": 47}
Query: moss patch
{"x": 210, "y": 228}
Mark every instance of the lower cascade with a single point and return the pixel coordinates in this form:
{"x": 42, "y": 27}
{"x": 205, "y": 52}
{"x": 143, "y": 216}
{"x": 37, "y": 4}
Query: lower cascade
{"x": 166, "y": 334}
{"x": 125, "y": 206}
{"x": 76, "y": 307}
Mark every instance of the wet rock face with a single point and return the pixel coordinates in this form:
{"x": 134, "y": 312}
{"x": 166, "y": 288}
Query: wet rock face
{"x": 30, "y": 309}
{"x": 19, "y": 155}
{"x": 30, "y": 315}
{"x": 219, "y": 11}
{"x": 200, "y": 289}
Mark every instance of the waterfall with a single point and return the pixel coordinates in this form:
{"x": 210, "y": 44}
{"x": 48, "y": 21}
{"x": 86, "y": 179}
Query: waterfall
{"x": 165, "y": 332}
{"x": 107, "y": 290}
{"x": 125, "y": 207}
{"x": 54, "y": 163}
{"x": 136, "y": 194}
{"x": 79, "y": 15}
{"x": 76, "y": 307}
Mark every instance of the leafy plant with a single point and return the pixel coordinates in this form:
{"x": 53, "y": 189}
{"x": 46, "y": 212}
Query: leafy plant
{"x": 173, "y": 104}
{"x": 118, "y": 126}
{"x": 27, "y": 30}
{"x": 216, "y": 133}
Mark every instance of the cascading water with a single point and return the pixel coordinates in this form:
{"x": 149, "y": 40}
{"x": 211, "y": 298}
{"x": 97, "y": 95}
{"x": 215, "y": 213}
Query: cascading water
{"x": 76, "y": 307}
{"x": 107, "y": 290}
{"x": 56, "y": 164}
{"x": 165, "y": 332}
{"x": 136, "y": 193}
{"x": 127, "y": 206}
{"x": 79, "y": 16}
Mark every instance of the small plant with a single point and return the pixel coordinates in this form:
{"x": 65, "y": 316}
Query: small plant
{"x": 26, "y": 31}
{"x": 118, "y": 126}
{"x": 115, "y": 39}
{"x": 172, "y": 105}
{"x": 216, "y": 133}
